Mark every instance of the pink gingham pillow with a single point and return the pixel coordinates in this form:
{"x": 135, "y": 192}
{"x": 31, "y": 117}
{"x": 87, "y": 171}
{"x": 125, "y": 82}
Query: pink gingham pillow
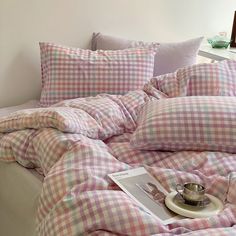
{"x": 72, "y": 72}
{"x": 212, "y": 79}
{"x": 208, "y": 79}
{"x": 187, "y": 123}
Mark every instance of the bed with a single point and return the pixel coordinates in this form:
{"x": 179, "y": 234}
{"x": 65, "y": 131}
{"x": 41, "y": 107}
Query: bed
{"x": 55, "y": 159}
{"x": 20, "y": 189}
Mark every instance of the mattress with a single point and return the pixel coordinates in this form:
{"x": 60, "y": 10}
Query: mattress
{"x": 7, "y": 110}
{"x": 19, "y": 192}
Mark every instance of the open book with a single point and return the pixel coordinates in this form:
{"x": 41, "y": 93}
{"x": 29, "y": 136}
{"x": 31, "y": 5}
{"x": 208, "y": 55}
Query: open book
{"x": 146, "y": 191}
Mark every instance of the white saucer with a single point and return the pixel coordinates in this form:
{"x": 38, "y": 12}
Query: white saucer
{"x": 213, "y": 208}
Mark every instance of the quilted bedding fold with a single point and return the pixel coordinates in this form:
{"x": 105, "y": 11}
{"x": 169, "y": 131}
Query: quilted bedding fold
{"x": 78, "y": 142}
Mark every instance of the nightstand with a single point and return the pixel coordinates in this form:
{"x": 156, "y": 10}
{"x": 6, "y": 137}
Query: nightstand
{"x": 217, "y": 54}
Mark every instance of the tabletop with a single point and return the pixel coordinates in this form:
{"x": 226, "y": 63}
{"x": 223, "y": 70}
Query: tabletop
{"x": 217, "y": 54}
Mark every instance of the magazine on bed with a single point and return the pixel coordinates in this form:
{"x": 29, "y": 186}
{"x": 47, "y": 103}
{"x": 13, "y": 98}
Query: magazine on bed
{"x": 142, "y": 187}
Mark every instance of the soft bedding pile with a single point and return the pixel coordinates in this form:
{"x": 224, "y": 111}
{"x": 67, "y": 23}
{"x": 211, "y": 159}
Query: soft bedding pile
{"x": 77, "y": 143}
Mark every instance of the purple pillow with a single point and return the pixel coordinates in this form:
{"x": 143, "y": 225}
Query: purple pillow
{"x": 169, "y": 56}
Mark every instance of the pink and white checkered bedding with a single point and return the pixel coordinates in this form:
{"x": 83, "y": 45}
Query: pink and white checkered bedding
{"x": 73, "y": 72}
{"x": 207, "y": 79}
{"x": 77, "y": 143}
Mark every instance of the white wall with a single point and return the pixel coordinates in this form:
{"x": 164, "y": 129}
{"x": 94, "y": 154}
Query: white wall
{"x": 71, "y": 22}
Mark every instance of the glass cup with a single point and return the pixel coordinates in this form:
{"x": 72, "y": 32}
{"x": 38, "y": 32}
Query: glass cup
{"x": 191, "y": 192}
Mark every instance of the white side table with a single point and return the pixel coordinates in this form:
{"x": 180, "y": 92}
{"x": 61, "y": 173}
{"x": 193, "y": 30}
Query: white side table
{"x": 217, "y": 54}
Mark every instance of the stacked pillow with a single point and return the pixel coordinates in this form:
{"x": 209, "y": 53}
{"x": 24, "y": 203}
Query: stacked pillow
{"x": 72, "y": 72}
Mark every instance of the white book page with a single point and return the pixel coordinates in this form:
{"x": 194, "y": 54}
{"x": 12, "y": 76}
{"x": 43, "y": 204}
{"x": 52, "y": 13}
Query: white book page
{"x": 146, "y": 191}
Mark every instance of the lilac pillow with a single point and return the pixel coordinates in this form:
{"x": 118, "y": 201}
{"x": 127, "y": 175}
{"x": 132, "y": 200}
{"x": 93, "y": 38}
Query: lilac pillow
{"x": 169, "y": 56}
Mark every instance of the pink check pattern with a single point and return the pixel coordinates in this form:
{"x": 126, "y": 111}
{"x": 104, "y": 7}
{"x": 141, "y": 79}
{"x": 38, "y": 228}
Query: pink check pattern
{"x": 188, "y": 123}
{"x": 78, "y": 198}
{"x": 72, "y": 72}
{"x": 209, "y": 79}
{"x": 213, "y": 79}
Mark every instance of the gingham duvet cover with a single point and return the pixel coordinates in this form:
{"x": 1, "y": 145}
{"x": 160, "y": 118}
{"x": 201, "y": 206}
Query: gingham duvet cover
{"x": 77, "y": 143}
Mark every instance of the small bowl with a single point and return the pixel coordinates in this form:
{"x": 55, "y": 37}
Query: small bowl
{"x": 219, "y": 43}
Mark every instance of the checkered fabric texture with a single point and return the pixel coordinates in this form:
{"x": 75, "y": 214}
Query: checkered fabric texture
{"x": 188, "y": 123}
{"x": 208, "y": 79}
{"x": 72, "y": 72}
{"x": 212, "y": 79}
{"x": 168, "y": 84}
{"x": 78, "y": 198}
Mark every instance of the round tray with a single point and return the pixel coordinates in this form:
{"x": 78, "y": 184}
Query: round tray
{"x": 214, "y": 207}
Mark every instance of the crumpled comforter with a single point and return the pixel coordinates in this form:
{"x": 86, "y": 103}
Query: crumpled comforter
{"x": 77, "y": 143}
